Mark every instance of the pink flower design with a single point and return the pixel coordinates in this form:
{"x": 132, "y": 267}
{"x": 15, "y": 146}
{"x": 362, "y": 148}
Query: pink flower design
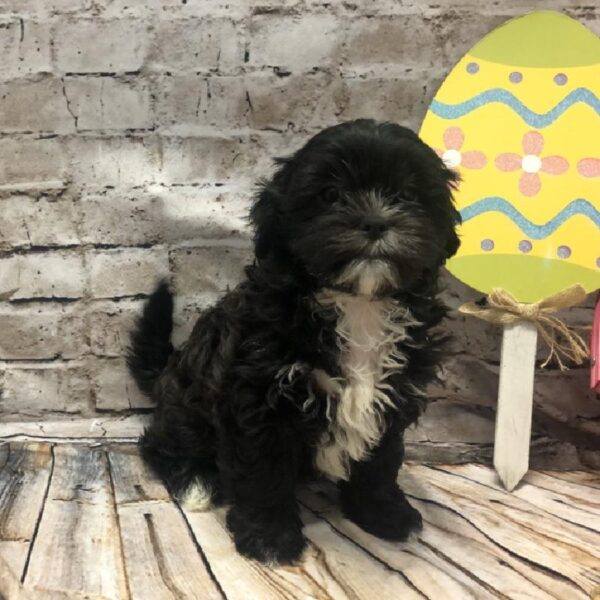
{"x": 531, "y": 163}
{"x": 454, "y": 138}
{"x": 589, "y": 167}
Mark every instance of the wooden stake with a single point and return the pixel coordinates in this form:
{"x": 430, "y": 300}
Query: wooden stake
{"x": 515, "y": 402}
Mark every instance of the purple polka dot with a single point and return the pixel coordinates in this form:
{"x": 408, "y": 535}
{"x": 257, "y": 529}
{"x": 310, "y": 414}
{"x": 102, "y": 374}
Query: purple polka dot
{"x": 487, "y": 245}
{"x": 516, "y": 77}
{"x": 525, "y": 246}
{"x": 472, "y": 68}
{"x": 560, "y": 79}
{"x": 563, "y": 252}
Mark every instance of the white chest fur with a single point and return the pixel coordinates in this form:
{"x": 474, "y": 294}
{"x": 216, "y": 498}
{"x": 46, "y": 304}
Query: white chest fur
{"x": 368, "y": 333}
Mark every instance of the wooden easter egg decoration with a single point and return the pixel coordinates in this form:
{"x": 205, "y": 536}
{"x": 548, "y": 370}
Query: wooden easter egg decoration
{"x": 519, "y": 118}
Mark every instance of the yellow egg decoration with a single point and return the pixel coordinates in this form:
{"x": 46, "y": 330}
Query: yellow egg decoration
{"x": 519, "y": 118}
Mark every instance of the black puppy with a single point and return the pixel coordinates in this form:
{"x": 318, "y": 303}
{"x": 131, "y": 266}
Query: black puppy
{"x": 319, "y": 359}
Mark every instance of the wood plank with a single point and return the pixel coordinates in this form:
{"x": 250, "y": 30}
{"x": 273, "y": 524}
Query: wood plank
{"x": 450, "y": 559}
{"x": 332, "y": 568}
{"x": 585, "y": 478}
{"x": 515, "y": 402}
{"x": 77, "y": 548}
{"x": 523, "y": 510}
{"x": 464, "y": 544}
{"x": 161, "y": 557}
{"x": 10, "y": 586}
{"x": 132, "y": 479}
{"x": 357, "y": 572}
{"x": 461, "y": 536}
{"x": 431, "y": 576}
{"x": 23, "y": 484}
{"x": 569, "y": 502}
{"x": 14, "y": 554}
{"x": 242, "y": 579}
{"x": 514, "y": 525}
{"x": 127, "y": 428}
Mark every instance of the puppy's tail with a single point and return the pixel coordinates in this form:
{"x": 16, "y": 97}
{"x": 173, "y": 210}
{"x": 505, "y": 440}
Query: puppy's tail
{"x": 150, "y": 345}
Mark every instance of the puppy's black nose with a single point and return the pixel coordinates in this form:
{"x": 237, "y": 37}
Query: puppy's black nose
{"x": 374, "y": 227}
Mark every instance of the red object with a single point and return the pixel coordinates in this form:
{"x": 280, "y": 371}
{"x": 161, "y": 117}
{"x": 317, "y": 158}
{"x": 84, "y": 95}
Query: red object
{"x": 595, "y": 349}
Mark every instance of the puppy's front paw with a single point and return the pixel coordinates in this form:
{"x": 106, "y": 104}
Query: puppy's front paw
{"x": 387, "y": 515}
{"x": 269, "y": 540}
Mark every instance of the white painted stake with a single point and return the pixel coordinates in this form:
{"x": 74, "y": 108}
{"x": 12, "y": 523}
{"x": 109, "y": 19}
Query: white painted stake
{"x": 515, "y": 402}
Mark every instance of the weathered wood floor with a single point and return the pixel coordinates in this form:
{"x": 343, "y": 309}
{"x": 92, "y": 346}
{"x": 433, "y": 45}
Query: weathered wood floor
{"x": 79, "y": 521}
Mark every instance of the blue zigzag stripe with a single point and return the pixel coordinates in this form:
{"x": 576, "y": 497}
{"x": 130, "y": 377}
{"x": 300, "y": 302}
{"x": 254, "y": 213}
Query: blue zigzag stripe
{"x": 580, "y": 206}
{"x": 539, "y": 120}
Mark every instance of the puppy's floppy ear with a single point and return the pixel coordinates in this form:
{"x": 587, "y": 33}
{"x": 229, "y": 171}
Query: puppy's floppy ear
{"x": 452, "y": 240}
{"x": 263, "y": 216}
{"x": 265, "y": 212}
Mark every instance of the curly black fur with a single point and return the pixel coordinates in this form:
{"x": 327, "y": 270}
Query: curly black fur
{"x": 363, "y": 211}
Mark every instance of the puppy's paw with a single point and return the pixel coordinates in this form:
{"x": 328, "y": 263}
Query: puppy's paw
{"x": 270, "y": 541}
{"x": 386, "y": 515}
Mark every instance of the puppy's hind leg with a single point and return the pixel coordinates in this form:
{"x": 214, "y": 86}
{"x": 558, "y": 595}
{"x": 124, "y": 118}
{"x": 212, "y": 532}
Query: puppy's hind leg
{"x": 188, "y": 471}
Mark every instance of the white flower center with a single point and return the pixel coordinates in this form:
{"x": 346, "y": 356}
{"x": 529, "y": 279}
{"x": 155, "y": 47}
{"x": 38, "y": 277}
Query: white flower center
{"x": 531, "y": 163}
{"x": 451, "y": 158}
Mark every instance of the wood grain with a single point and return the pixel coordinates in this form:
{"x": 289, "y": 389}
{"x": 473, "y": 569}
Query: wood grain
{"x": 93, "y": 522}
{"x": 162, "y": 559}
{"x": 538, "y": 538}
{"x": 242, "y": 579}
{"x": 24, "y": 477}
{"x": 572, "y": 503}
{"x": 77, "y": 548}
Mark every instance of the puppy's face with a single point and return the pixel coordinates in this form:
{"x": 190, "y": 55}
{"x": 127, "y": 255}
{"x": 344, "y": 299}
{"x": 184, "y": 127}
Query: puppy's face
{"x": 364, "y": 207}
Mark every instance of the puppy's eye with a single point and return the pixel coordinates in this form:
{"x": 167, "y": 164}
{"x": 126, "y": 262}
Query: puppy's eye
{"x": 330, "y": 195}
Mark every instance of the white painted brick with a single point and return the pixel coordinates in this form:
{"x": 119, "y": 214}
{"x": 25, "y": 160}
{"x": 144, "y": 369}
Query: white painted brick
{"x": 193, "y": 104}
{"x": 193, "y": 45}
{"x": 294, "y": 102}
{"x": 29, "y": 221}
{"x": 114, "y": 389}
{"x": 41, "y": 331}
{"x": 415, "y": 40}
{"x": 24, "y": 161}
{"x": 110, "y": 325}
{"x": 204, "y": 213}
{"x": 34, "y": 390}
{"x": 115, "y": 161}
{"x": 43, "y": 275}
{"x": 98, "y": 46}
{"x": 204, "y": 159}
{"x": 389, "y": 40}
{"x": 456, "y": 33}
{"x": 34, "y": 105}
{"x": 219, "y": 119}
{"x": 122, "y": 219}
{"x": 45, "y": 8}
{"x": 211, "y": 269}
{"x": 177, "y": 9}
{"x": 294, "y": 43}
{"x": 117, "y": 273}
{"x": 104, "y": 103}
{"x": 404, "y": 101}
{"x": 172, "y": 215}
{"x": 24, "y": 47}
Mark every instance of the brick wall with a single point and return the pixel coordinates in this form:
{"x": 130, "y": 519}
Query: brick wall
{"x": 130, "y": 136}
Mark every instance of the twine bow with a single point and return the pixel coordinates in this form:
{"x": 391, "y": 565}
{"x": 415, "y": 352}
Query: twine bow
{"x": 503, "y": 308}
